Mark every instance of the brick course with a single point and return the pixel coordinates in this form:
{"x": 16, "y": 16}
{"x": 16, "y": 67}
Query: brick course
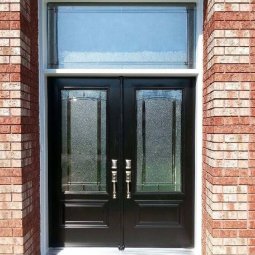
{"x": 19, "y": 128}
{"x": 228, "y": 139}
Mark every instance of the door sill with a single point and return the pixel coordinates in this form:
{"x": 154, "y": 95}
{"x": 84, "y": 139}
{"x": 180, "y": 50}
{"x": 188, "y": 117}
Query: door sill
{"x": 115, "y": 251}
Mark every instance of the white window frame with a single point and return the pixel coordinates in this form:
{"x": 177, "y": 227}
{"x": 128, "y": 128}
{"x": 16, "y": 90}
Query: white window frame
{"x": 45, "y": 72}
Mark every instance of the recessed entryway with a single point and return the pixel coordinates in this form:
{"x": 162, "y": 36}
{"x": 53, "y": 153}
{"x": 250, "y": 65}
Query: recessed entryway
{"x": 121, "y": 162}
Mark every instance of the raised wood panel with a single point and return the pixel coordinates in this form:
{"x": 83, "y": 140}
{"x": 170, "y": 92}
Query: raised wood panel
{"x": 85, "y": 214}
{"x": 158, "y": 214}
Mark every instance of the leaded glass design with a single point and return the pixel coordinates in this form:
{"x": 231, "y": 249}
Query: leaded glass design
{"x": 159, "y": 114}
{"x": 83, "y": 155}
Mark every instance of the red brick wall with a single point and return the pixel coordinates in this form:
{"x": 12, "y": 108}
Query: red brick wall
{"x": 19, "y": 132}
{"x": 228, "y": 139}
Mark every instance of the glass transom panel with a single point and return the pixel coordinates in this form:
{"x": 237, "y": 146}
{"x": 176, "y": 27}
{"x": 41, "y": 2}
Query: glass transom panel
{"x": 159, "y": 114}
{"x": 120, "y": 36}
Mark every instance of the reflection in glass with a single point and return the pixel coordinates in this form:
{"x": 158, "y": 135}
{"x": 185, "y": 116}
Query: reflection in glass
{"x": 159, "y": 140}
{"x": 83, "y": 140}
{"x": 124, "y": 36}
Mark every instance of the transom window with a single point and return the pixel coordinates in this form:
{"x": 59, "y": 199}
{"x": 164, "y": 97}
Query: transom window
{"x": 122, "y": 36}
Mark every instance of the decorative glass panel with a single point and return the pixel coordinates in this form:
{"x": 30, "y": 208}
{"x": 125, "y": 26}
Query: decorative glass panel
{"x": 121, "y": 36}
{"x": 159, "y": 140}
{"x": 83, "y": 140}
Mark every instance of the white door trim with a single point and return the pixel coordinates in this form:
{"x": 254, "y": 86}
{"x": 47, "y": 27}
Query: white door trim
{"x": 44, "y": 73}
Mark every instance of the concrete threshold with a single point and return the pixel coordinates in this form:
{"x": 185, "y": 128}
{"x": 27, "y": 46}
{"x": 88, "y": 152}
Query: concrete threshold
{"x": 115, "y": 251}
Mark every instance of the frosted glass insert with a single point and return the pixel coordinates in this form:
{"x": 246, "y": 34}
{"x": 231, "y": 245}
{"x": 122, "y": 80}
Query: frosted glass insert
{"x": 83, "y": 140}
{"x": 124, "y": 36}
{"x": 159, "y": 140}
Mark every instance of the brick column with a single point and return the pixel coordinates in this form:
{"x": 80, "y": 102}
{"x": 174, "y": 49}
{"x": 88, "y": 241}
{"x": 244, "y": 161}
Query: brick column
{"x": 19, "y": 132}
{"x": 228, "y": 140}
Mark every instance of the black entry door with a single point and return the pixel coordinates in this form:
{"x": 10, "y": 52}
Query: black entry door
{"x": 121, "y": 162}
{"x": 159, "y": 139}
{"x": 84, "y": 135}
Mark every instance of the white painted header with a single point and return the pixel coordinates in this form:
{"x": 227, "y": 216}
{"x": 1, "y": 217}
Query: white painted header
{"x": 121, "y": 1}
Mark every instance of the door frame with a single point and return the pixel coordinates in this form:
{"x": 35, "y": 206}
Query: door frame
{"x": 44, "y": 73}
{"x": 124, "y": 232}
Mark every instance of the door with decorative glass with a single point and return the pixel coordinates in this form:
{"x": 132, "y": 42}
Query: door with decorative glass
{"x": 121, "y": 162}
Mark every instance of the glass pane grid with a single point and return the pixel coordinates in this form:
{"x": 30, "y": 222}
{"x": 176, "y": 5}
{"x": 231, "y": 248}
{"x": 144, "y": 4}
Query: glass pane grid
{"x": 83, "y": 187}
{"x": 159, "y": 187}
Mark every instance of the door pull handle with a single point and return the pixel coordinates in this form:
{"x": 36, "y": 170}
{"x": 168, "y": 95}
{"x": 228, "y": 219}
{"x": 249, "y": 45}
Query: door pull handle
{"x": 114, "y": 164}
{"x": 128, "y": 177}
{"x": 128, "y": 163}
{"x": 128, "y": 181}
{"x": 114, "y": 181}
{"x": 114, "y": 178}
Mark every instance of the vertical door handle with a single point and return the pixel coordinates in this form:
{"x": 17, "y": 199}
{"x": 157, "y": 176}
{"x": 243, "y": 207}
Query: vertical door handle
{"x": 128, "y": 177}
{"x": 128, "y": 181}
{"x": 128, "y": 163}
{"x": 114, "y": 178}
{"x": 114, "y": 163}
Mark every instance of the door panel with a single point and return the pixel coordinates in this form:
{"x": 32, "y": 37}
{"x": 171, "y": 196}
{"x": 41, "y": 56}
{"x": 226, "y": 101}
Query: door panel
{"x": 121, "y": 162}
{"x": 158, "y": 138}
{"x": 84, "y": 127}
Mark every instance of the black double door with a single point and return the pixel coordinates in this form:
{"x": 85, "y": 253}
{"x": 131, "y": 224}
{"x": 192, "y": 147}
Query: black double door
{"x": 121, "y": 162}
